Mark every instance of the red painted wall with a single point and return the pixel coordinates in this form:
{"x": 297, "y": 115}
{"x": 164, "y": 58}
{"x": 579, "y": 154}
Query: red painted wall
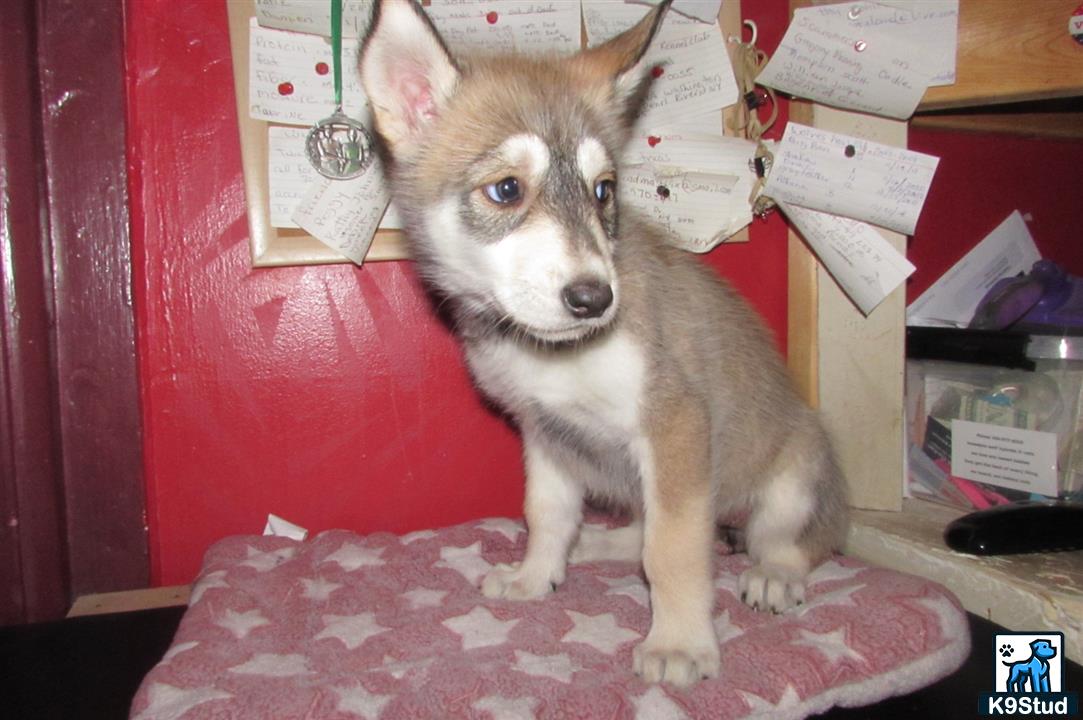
{"x": 328, "y": 395}
{"x": 980, "y": 180}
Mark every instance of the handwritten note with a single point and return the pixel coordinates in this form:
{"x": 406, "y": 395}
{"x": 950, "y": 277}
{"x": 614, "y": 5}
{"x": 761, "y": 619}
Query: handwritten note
{"x": 852, "y": 177}
{"x": 344, "y": 214}
{"x": 865, "y": 265}
{"x": 289, "y": 78}
{"x": 930, "y": 25}
{"x": 605, "y": 19}
{"x": 291, "y": 176}
{"x": 314, "y": 17}
{"x": 827, "y": 57}
{"x": 692, "y": 74}
{"x": 491, "y": 26}
{"x": 698, "y": 209}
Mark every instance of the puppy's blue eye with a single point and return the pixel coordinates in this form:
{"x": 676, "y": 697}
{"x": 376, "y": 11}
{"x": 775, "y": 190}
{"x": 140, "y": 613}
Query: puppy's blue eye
{"x": 604, "y": 189}
{"x": 504, "y": 192}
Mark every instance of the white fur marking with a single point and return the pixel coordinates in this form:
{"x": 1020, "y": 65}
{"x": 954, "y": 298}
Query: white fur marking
{"x": 526, "y": 150}
{"x": 592, "y": 159}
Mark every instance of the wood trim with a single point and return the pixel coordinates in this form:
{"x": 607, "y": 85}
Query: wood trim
{"x": 32, "y": 567}
{"x": 803, "y": 297}
{"x": 1012, "y": 51}
{"x": 83, "y": 101}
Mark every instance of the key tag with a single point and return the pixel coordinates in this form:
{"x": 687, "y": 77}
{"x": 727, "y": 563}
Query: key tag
{"x": 339, "y": 147}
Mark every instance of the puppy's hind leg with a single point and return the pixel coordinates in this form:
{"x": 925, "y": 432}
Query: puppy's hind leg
{"x": 554, "y": 510}
{"x": 623, "y": 544}
{"x": 798, "y": 519}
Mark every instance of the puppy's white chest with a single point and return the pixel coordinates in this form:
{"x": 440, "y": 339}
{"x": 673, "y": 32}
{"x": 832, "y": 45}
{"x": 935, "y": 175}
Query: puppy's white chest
{"x": 598, "y": 386}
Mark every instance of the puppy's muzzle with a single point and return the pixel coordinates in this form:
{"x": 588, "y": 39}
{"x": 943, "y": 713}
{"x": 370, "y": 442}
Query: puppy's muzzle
{"x": 588, "y": 298}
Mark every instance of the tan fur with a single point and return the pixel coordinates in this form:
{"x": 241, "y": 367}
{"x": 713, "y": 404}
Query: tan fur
{"x": 670, "y": 401}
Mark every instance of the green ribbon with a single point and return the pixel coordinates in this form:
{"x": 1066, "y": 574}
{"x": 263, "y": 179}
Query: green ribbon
{"x": 336, "y": 48}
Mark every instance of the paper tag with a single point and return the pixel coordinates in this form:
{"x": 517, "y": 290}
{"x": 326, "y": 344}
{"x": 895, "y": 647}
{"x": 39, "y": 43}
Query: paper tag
{"x": 278, "y": 527}
{"x": 290, "y": 79}
{"x": 701, "y": 10}
{"x": 865, "y": 265}
{"x": 1007, "y": 251}
{"x": 344, "y": 214}
{"x": 1024, "y": 460}
{"x": 825, "y": 56}
{"x": 290, "y": 175}
{"x": 699, "y": 209}
{"x": 525, "y": 27}
{"x": 306, "y": 16}
{"x": 852, "y": 177}
{"x": 931, "y": 25}
{"x": 605, "y": 19}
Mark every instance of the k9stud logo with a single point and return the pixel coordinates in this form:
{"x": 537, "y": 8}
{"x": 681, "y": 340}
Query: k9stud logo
{"x": 1027, "y": 678}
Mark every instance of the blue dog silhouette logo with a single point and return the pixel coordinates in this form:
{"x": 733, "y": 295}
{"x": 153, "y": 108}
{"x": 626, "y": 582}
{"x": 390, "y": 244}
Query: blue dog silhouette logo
{"x": 1030, "y": 674}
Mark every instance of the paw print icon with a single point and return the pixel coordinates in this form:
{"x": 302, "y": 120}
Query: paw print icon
{"x": 1005, "y": 650}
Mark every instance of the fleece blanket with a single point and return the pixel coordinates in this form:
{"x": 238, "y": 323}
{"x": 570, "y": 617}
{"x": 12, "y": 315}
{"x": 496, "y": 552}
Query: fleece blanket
{"x": 342, "y": 627}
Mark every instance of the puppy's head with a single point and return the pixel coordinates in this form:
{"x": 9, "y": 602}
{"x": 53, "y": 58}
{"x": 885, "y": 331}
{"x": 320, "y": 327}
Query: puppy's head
{"x": 504, "y": 168}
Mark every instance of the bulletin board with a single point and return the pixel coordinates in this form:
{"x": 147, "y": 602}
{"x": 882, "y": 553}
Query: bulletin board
{"x": 276, "y": 246}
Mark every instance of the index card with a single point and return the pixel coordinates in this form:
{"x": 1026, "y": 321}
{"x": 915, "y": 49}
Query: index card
{"x": 289, "y": 78}
{"x": 699, "y": 209}
{"x": 827, "y": 57}
{"x": 490, "y": 26}
{"x": 290, "y": 175}
{"x": 307, "y": 16}
{"x": 1006, "y": 251}
{"x": 852, "y": 177}
{"x": 344, "y": 214}
{"x": 931, "y": 25}
{"x": 702, "y": 10}
{"x": 865, "y": 265}
{"x": 692, "y": 74}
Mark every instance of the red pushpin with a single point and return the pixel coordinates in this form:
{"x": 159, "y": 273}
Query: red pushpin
{"x": 653, "y": 140}
{"x": 322, "y": 69}
{"x": 658, "y": 71}
{"x": 285, "y": 88}
{"x": 492, "y": 17}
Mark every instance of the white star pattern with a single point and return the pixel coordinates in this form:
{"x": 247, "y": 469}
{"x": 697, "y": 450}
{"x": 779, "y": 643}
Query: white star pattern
{"x": 480, "y": 628}
{"x": 398, "y": 668}
{"x": 318, "y": 589}
{"x": 726, "y": 629}
{"x": 655, "y": 704}
{"x": 351, "y": 557}
{"x": 467, "y": 561}
{"x": 177, "y": 649}
{"x": 169, "y": 703}
{"x": 506, "y": 527}
{"x": 832, "y": 570}
{"x": 598, "y": 631}
{"x": 631, "y": 586}
{"x": 762, "y": 707}
{"x": 264, "y": 561}
{"x": 273, "y": 665}
{"x": 507, "y": 708}
{"x": 352, "y": 630}
{"x": 835, "y": 598}
{"x": 216, "y": 579}
{"x": 832, "y": 645}
{"x": 558, "y": 667}
{"x": 359, "y": 701}
{"x": 415, "y": 536}
{"x": 241, "y": 623}
{"x": 424, "y": 597}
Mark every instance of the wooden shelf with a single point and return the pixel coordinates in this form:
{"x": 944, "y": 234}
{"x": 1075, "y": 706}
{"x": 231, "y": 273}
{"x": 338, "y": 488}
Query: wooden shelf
{"x": 1012, "y": 51}
{"x": 1020, "y": 592}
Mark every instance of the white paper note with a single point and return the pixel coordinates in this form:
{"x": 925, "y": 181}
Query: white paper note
{"x": 344, "y": 214}
{"x": 605, "y": 19}
{"x": 290, "y": 79}
{"x": 1024, "y": 460}
{"x": 865, "y": 265}
{"x": 692, "y": 74}
{"x": 290, "y": 175}
{"x": 931, "y": 25}
{"x": 701, "y": 10}
{"x": 951, "y": 301}
{"x": 700, "y": 210}
{"x": 313, "y": 16}
{"x": 490, "y": 26}
{"x": 825, "y": 56}
{"x": 852, "y": 177}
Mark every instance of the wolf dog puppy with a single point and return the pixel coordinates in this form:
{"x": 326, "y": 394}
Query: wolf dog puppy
{"x": 635, "y": 375}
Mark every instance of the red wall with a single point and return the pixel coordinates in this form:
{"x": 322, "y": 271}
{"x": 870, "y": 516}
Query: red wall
{"x": 328, "y": 395}
{"x": 980, "y": 180}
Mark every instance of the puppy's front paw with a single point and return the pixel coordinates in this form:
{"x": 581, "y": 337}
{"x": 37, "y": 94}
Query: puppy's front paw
{"x": 512, "y": 582}
{"x": 681, "y": 664}
{"x": 772, "y": 587}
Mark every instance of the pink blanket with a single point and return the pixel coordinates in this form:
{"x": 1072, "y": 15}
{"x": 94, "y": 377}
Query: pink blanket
{"x": 343, "y": 627}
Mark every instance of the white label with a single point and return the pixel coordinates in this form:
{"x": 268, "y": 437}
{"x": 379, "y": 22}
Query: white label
{"x": 852, "y": 177}
{"x": 1024, "y": 460}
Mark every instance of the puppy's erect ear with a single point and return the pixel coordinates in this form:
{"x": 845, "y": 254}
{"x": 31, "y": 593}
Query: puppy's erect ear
{"x": 621, "y": 62}
{"x": 407, "y": 72}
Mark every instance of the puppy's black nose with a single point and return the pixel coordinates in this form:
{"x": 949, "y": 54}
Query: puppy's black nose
{"x": 588, "y": 298}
